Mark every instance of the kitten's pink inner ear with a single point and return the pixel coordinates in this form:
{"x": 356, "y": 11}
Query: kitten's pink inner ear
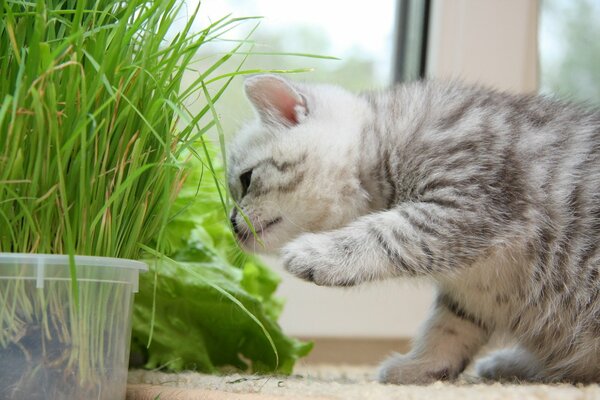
{"x": 286, "y": 104}
{"x": 275, "y": 99}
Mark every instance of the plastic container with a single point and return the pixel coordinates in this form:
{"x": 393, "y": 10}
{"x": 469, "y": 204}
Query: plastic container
{"x": 52, "y": 347}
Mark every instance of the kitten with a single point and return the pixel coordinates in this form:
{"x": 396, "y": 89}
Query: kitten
{"x": 494, "y": 197}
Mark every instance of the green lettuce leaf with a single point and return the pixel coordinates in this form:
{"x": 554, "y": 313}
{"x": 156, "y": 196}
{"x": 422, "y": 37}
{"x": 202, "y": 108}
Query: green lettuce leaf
{"x": 196, "y": 326}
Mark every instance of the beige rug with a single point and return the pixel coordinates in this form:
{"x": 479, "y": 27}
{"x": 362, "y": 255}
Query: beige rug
{"x": 316, "y": 382}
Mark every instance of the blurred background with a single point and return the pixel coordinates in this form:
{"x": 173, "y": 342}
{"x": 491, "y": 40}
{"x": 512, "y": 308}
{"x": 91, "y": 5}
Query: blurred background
{"x": 548, "y": 46}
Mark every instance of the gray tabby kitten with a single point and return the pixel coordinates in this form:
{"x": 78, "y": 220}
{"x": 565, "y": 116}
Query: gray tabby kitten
{"x": 494, "y": 197}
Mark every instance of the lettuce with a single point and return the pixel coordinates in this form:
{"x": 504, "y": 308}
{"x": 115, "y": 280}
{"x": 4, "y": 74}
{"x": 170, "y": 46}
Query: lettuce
{"x": 203, "y": 301}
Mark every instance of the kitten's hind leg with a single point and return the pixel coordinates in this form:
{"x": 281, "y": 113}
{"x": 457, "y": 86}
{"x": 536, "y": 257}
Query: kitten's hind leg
{"x": 450, "y": 339}
{"x": 513, "y": 364}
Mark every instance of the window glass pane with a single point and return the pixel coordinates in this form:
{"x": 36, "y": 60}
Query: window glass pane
{"x": 361, "y": 35}
{"x": 570, "y": 49}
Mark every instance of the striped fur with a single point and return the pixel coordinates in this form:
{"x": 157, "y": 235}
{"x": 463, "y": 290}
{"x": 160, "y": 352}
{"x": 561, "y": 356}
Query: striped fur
{"x": 494, "y": 197}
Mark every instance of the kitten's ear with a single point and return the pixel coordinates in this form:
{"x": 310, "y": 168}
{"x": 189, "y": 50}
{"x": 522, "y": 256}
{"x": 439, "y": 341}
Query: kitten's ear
{"x": 276, "y": 100}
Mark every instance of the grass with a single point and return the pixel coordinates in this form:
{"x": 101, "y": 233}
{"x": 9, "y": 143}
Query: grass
{"x": 94, "y": 133}
{"x": 91, "y": 150}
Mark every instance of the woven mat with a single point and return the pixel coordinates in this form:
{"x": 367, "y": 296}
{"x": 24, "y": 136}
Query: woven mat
{"x": 319, "y": 382}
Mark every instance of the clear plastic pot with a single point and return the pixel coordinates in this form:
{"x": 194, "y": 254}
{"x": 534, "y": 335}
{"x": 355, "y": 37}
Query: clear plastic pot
{"x": 52, "y": 347}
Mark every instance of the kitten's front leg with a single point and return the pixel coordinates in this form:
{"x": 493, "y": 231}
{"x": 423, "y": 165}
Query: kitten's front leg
{"x": 365, "y": 250}
{"x": 431, "y": 237}
{"x": 449, "y": 340}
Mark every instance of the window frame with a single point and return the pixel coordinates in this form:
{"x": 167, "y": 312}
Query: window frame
{"x": 412, "y": 34}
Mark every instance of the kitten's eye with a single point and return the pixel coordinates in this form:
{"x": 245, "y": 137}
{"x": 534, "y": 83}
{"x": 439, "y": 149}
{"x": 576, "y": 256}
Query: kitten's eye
{"x": 245, "y": 179}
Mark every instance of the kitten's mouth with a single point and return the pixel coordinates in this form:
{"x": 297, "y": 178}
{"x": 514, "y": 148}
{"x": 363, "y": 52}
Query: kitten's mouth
{"x": 243, "y": 236}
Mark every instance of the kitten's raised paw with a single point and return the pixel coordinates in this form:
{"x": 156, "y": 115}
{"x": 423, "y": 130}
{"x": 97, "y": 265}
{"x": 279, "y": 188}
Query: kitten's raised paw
{"x": 404, "y": 370}
{"x": 312, "y": 257}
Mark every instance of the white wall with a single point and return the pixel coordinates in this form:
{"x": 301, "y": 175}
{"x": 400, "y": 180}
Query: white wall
{"x": 391, "y": 309}
{"x": 488, "y": 41}
{"x": 485, "y": 41}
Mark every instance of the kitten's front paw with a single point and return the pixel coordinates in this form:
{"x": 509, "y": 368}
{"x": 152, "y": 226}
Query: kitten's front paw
{"x": 313, "y": 257}
{"x": 405, "y": 370}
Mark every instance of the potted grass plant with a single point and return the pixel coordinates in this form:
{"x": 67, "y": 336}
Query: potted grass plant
{"x": 93, "y": 131}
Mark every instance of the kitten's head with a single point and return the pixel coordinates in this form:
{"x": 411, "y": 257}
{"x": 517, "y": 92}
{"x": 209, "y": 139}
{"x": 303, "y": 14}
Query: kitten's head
{"x": 294, "y": 169}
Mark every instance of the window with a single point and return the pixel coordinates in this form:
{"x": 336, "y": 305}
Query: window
{"x": 361, "y": 37}
{"x": 569, "y": 40}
